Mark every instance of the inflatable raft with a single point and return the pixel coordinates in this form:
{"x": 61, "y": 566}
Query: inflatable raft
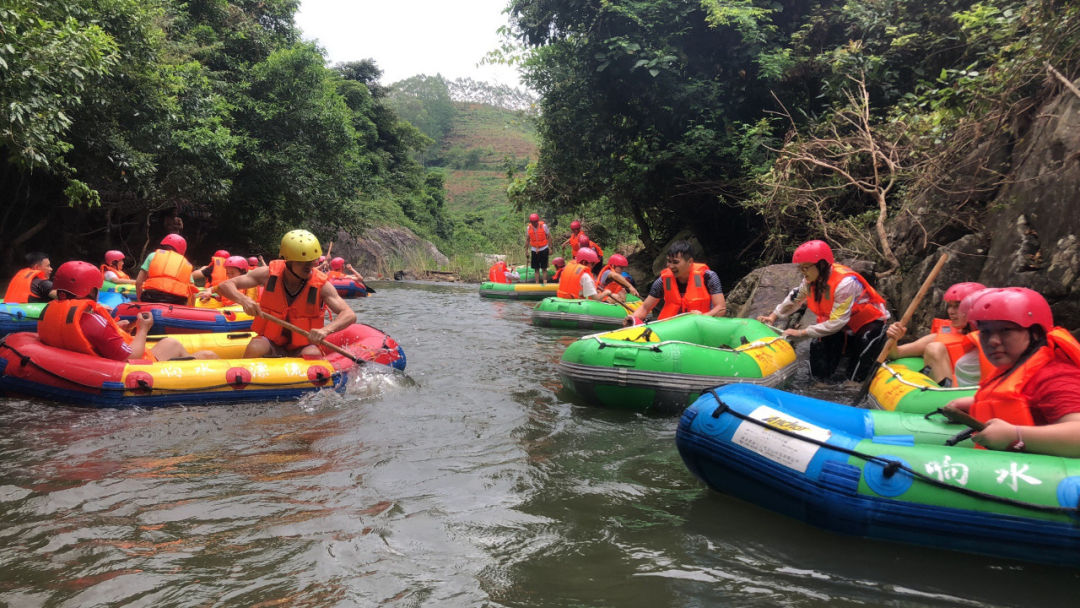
{"x": 528, "y": 275}
{"x": 901, "y": 386}
{"x": 518, "y": 291}
{"x": 28, "y": 367}
{"x": 582, "y": 314}
{"x": 665, "y": 365}
{"x": 348, "y": 288}
{"x": 176, "y": 319}
{"x": 24, "y": 317}
{"x": 127, "y": 289}
{"x": 883, "y": 475}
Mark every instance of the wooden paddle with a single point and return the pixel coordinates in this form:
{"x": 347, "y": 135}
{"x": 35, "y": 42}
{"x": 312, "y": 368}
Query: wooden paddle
{"x": 891, "y": 342}
{"x": 334, "y": 347}
{"x": 620, "y": 303}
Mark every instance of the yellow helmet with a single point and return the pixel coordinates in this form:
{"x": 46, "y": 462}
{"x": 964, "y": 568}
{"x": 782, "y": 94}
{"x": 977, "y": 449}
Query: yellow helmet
{"x": 300, "y": 246}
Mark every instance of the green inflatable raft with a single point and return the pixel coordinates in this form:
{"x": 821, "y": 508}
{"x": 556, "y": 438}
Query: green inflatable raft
{"x": 665, "y": 365}
{"x": 517, "y": 291}
{"x": 901, "y": 386}
{"x": 582, "y": 314}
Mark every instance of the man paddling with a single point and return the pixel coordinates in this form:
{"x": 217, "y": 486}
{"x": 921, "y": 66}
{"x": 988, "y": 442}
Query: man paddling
{"x": 293, "y": 291}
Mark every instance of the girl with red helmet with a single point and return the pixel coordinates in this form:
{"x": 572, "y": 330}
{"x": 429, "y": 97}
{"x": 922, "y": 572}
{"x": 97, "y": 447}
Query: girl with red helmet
{"x": 946, "y": 343}
{"x": 611, "y": 278}
{"x": 851, "y": 315}
{"x": 113, "y": 268}
{"x": 234, "y": 266}
{"x": 576, "y": 280}
{"x": 1031, "y": 401}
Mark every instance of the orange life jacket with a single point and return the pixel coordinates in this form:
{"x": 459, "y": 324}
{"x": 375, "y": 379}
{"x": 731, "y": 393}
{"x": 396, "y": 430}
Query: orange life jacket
{"x": 60, "y": 326}
{"x": 120, "y": 274}
{"x": 18, "y": 290}
{"x": 863, "y": 310}
{"x": 570, "y": 281}
{"x": 696, "y": 297}
{"x": 217, "y": 271}
{"x": 538, "y": 235}
{"x": 558, "y": 274}
{"x": 591, "y": 245}
{"x": 169, "y": 272}
{"x": 954, "y": 339}
{"x": 575, "y": 242}
{"x": 497, "y": 273}
{"x": 333, "y": 275}
{"x": 306, "y": 311}
{"x": 611, "y": 284}
{"x": 1002, "y": 395}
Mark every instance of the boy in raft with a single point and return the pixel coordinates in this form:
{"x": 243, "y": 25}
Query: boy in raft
{"x": 501, "y": 273}
{"x": 538, "y": 239}
{"x": 684, "y": 286}
{"x": 577, "y": 281}
{"x": 31, "y": 284}
{"x": 113, "y": 268}
{"x": 851, "y": 315}
{"x": 165, "y": 275}
{"x": 294, "y": 291}
{"x": 338, "y": 269}
{"x": 1031, "y": 402}
{"x": 76, "y": 322}
{"x": 947, "y": 341}
{"x": 213, "y": 273}
{"x": 611, "y": 278}
{"x": 235, "y": 266}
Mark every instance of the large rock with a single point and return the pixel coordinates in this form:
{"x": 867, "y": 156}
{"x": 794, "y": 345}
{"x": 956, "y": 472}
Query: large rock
{"x": 759, "y": 292}
{"x": 387, "y": 250}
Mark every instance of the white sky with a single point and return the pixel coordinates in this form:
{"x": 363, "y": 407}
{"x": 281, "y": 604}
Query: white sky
{"x": 410, "y": 37}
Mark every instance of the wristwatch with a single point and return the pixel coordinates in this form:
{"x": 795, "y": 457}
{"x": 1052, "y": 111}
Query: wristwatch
{"x": 1018, "y": 445}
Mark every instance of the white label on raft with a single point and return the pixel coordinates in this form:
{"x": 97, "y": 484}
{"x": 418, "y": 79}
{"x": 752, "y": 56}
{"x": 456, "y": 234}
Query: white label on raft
{"x": 788, "y": 451}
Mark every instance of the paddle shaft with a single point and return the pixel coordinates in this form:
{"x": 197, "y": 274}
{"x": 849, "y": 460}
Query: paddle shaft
{"x": 299, "y": 330}
{"x": 910, "y": 312}
{"x": 962, "y": 417}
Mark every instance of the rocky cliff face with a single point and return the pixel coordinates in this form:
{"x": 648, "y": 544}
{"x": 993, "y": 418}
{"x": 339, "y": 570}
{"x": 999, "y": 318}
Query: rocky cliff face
{"x": 1023, "y": 230}
{"x": 385, "y": 251}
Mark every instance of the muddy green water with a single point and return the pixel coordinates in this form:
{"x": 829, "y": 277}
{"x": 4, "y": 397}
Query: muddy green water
{"x": 486, "y": 485}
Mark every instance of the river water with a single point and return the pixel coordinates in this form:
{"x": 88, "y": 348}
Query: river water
{"x": 485, "y": 484}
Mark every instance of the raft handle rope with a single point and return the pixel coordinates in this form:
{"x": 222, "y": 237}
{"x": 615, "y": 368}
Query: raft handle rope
{"x": 891, "y": 467}
{"x": 25, "y": 359}
{"x": 922, "y": 388}
{"x": 655, "y": 346}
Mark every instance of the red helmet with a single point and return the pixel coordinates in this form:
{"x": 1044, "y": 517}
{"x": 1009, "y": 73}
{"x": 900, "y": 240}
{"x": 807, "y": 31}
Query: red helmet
{"x": 322, "y": 258}
{"x": 618, "y": 259}
{"x": 959, "y": 291}
{"x": 77, "y": 278}
{"x": 236, "y": 261}
{"x": 587, "y": 255}
{"x": 221, "y": 253}
{"x": 558, "y": 262}
{"x": 811, "y": 252}
{"x": 534, "y": 217}
{"x": 575, "y": 225}
{"x": 253, "y": 262}
{"x": 1021, "y": 305}
{"x": 583, "y": 241}
{"x": 969, "y": 301}
{"x": 112, "y": 255}
{"x": 337, "y": 263}
{"x": 176, "y": 242}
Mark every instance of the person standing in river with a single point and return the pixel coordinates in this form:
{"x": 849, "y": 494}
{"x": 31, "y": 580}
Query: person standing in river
{"x": 851, "y": 315}
{"x": 538, "y": 240}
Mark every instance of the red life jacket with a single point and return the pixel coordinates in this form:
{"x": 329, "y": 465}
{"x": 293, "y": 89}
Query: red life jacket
{"x": 120, "y": 274}
{"x": 697, "y": 296}
{"x": 169, "y": 272}
{"x": 1002, "y": 395}
{"x": 558, "y": 274}
{"x": 863, "y": 310}
{"x": 217, "y": 271}
{"x": 575, "y": 243}
{"x": 497, "y": 273}
{"x": 60, "y": 326}
{"x": 611, "y": 284}
{"x": 570, "y": 281}
{"x": 986, "y": 368}
{"x": 306, "y": 311}
{"x": 538, "y": 235}
{"x": 18, "y": 290}
{"x": 333, "y": 275}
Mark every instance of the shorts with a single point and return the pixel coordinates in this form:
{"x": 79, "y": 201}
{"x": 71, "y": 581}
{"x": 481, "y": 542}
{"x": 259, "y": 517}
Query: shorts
{"x": 160, "y": 297}
{"x": 539, "y": 259}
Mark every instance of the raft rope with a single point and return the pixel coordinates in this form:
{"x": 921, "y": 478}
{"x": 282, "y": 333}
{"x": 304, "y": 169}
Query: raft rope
{"x": 922, "y": 387}
{"x": 655, "y": 346}
{"x": 27, "y": 360}
{"x": 890, "y": 467}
